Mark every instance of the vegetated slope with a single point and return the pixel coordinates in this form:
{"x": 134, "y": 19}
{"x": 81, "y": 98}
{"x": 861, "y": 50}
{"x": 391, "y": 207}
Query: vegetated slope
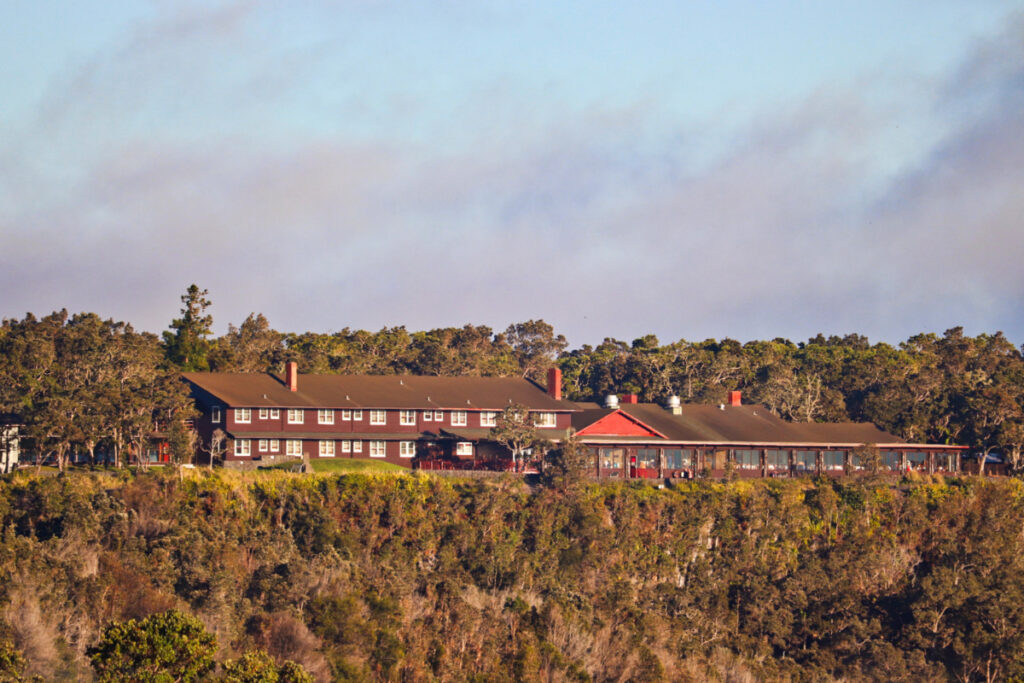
{"x": 416, "y": 578}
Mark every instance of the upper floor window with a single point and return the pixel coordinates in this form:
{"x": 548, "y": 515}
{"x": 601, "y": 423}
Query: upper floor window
{"x": 428, "y": 415}
{"x": 458, "y": 418}
{"x": 378, "y": 417}
{"x": 438, "y": 416}
{"x": 544, "y": 419}
{"x": 357, "y": 415}
{"x": 325, "y": 417}
{"x": 407, "y": 417}
{"x": 346, "y": 415}
{"x": 275, "y": 413}
{"x": 295, "y": 416}
{"x": 243, "y": 415}
{"x": 488, "y": 418}
{"x": 264, "y": 413}
{"x": 215, "y": 414}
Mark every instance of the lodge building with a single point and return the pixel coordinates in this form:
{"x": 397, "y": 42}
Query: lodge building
{"x": 446, "y": 422}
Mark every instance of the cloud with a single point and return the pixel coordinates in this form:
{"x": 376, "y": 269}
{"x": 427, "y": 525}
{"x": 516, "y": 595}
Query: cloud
{"x": 605, "y": 222}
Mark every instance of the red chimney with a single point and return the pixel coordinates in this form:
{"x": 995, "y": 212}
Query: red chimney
{"x": 629, "y": 398}
{"x": 291, "y": 375}
{"x": 735, "y": 398}
{"x": 555, "y": 384}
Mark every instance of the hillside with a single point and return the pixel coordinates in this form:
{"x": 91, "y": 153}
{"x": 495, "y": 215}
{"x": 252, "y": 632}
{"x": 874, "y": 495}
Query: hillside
{"x": 408, "y": 577}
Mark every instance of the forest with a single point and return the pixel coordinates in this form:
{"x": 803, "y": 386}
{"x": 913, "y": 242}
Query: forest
{"x": 78, "y": 383}
{"x": 415, "y": 577}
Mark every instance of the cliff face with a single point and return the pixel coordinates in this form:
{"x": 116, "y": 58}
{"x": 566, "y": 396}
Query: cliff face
{"x": 418, "y": 578}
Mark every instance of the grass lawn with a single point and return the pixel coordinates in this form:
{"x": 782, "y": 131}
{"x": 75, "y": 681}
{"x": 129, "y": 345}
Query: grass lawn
{"x": 354, "y": 465}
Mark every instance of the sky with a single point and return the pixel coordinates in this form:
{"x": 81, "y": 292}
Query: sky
{"x": 691, "y": 170}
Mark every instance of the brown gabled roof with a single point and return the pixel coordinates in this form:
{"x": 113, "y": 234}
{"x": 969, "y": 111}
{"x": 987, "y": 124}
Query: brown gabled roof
{"x": 745, "y": 424}
{"x": 375, "y": 391}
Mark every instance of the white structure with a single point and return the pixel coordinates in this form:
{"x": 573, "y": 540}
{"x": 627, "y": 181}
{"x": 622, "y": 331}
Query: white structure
{"x": 9, "y": 448}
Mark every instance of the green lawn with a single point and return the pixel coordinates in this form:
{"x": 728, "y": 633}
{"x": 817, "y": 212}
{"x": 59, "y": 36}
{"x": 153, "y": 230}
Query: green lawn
{"x": 355, "y": 465}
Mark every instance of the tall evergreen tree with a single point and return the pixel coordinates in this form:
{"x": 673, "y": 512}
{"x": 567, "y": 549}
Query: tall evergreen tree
{"x": 186, "y": 344}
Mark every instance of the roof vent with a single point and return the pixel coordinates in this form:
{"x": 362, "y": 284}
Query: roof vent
{"x": 721, "y": 406}
{"x": 611, "y": 401}
{"x": 673, "y": 405}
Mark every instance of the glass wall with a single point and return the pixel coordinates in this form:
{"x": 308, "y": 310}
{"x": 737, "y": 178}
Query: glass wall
{"x": 776, "y": 459}
{"x": 917, "y": 460}
{"x": 647, "y": 458}
{"x": 833, "y": 461}
{"x": 611, "y": 458}
{"x": 805, "y": 461}
{"x": 893, "y": 460}
{"x": 747, "y": 458}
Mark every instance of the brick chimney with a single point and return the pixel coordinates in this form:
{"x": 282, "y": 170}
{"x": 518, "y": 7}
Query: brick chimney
{"x": 291, "y": 375}
{"x": 555, "y": 383}
{"x": 735, "y": 398}
{"x": 630, "y": 398}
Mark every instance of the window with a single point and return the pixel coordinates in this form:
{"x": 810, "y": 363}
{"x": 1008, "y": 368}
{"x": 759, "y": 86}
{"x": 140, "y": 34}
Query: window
{"x": 464, "y": 448}
{"x": 775, "y": 459}
{"x": 325, "y": 417}
{"x": 357, "y": 415}
{"x": 215, "y": 414}
{"x": 747, "y": 458}
{"x": 243, "y": 415}
{"x": 893, "y": 460}
{"x": 458, "y": 418}
{"x": 263, "y": 445}
{"x": 264, "y": 413}
{"x": 544, "y": 419}
{"x": 346, "y": 446}
{"x": 346, "y": 415}
{"x": 275, "y": 445}
{"x": 407, "y": 449}
{"x": 378, "y": 417}
{"x": 833, "y": 460}
{"x": 428, "y": 415}
{"x": 357, "y": 446}
{"x": 376, "y": 449}
{"x": 488, "y": 418}
{"x": 647, "y": 458}
{"x": 295, "y": 416}
{"x": 407, "y": 417}
{"x": 243, "y": 447}
{"x": 917, "y": 460}
{"x": 326, "y": 449}
{"x": 805, "y": 461}
{"x": 611, "y": 458}
{"x": 275, "y": 413}
{"x": 293, "y": 447}
{"x": 438, "y": 416}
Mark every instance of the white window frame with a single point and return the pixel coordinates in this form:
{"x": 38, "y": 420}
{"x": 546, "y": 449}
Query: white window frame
{"x": 407, "y": 449}
{"x": 378, "y": 449}
{"x": 357, "y": 445}
{"x": 428, "y": 415}
{"x": 263, "y": 446}
{"x": 326, "y": 448}
{"x": 264, "y": 413}
{"x": 346, "y": 446}
{"x": 488, "y": 418}
{"x": 407, "y": 418}
{"x": 459, "y": 418}
{"x": 544, "y": 420}
{"x": 293, "y": 447}
{"x": 325, "y": 416}
{"x": 215, "y": 415}
{"x": 464, "y": 448}
{"x": 346, "y": 415}
{"x": 357, "y": 415}
{"x": 275, "y": 413}
{"x": 293, "y": 412}
{"x": 275, "y": 445}
{"x": 243, "y": 447}
{"x": 378, "y": 417}
{"x": 243, "y": 416}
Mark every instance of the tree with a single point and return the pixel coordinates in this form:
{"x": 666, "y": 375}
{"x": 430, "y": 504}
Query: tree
{"x": 187, "y": 346}
{"x": 514, "y": 429}
{"x": 256, "y": 666}
{"x": 535, "y": 346}
{"x": 566, "y": 468}
{"x": 168, "y": 646}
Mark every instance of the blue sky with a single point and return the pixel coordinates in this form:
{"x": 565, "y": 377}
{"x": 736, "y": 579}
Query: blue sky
{"x": 692, "y": 170}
